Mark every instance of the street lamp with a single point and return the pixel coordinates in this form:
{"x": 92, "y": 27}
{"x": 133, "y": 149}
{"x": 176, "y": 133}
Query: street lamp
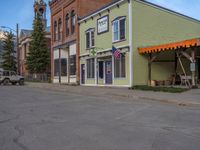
{"x": 17, "y": 38}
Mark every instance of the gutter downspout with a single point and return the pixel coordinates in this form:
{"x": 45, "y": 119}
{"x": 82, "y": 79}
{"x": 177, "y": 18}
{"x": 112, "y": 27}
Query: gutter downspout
{"x": 131, "y": 41}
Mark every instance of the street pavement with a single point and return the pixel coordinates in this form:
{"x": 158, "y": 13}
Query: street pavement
{"x": 42, "y": 119}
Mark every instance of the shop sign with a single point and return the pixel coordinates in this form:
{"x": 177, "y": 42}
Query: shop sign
{"x": 103, "y": 25}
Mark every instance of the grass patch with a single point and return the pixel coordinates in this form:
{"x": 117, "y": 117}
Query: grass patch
{"x": 160, "y": 89}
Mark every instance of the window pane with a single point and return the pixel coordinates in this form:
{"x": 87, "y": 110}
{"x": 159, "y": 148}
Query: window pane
{"x": 87, "y": 40}
{"x": 56, "y": 67}
{"x": 73, "y": 65}
{"x": 122, "y": 29}
{"x": 123, "y": 66}
{"x": 63, "y": 67}
{"x": 92, "y": 37}
{"x": 90, "y": 68}
{"x": 117, "y": 68}
{"x": 116, "y": 30}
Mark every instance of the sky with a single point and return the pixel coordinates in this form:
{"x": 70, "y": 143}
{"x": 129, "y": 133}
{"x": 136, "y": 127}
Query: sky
{"x": 21, "y": 11}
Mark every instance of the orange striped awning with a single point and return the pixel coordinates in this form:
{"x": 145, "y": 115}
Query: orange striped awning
{"x": 170, "y": 46}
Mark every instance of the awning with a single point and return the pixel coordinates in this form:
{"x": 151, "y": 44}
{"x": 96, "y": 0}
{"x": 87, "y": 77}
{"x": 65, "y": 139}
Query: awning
{"x": 170, "y": 46}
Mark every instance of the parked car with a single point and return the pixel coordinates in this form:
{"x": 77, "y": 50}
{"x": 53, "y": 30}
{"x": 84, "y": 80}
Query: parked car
{"x": 7, "y": 77}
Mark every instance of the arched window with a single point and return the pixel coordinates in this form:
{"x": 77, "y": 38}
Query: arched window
{"x": 67, "y": 24}
{"x": 73, "y": 21}
{"x": 59, "y": 29}
{"x": 55, "y": 30}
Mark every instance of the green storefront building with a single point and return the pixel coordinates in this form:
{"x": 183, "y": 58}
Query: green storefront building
{"x": 133, "y": 27}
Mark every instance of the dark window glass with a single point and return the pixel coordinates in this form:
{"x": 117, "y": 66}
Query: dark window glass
{"x": 73, "y": 65}
{"x": 122, "y": 29}
{"x": 63, "y": 64}
{"x": 92, "y": 38}
{"x": 101, "y": 72}
{"x": 55, "y": 31}
{"x": 63, "y": 67}
{"x": 90, "y": 68}
{"x": 73, "y": 21}
{"x": 59, "y": 29}
{"x": 67, "y": 24}
{"x": 88, "y": 40}
{"x": 120, "y": 67}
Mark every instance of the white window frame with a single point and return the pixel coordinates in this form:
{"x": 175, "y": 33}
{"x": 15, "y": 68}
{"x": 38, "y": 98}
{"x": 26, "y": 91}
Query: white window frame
{"x": 118, "y": 22}
{"x": 90, "y": 38}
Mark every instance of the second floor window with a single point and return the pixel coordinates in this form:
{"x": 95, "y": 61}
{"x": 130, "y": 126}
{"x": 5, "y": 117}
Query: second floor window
{"x": 55, "y": 30}
{"x": 59, "y": 29}
{"x": 90, "y": 38}
{"x": 73, "y": 21}
{"x": 119, "y": 29}
{"x": 67, "y": 24}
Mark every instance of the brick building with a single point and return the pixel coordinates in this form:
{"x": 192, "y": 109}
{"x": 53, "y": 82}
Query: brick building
{"x": 65, "y": 36}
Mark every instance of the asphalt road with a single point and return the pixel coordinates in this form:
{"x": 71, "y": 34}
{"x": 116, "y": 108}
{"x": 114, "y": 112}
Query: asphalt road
{"x": 35, "y": 119}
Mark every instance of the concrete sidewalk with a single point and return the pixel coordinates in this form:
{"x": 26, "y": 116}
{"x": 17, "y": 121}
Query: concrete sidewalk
{"x": 188, "y": 98}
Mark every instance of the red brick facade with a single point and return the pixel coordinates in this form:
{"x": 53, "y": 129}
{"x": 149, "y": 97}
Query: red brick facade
{"x": 59, "y": 11}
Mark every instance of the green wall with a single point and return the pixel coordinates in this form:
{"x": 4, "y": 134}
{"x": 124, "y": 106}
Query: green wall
{"x": 154, "y": 26}
{"x": 104, "y": 41}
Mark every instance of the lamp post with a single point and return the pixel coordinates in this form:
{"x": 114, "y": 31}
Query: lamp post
{"x": 17, "y": 42}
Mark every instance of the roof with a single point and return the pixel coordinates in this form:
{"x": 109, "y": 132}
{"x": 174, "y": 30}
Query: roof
{"x": 142, "y": 1}
{"x": 170, "y": 46}
{"x": 100, "y": 9}
{"x": 28, "y": 33}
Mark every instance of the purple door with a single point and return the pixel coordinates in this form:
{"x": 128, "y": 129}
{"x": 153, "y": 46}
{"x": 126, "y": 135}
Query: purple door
{"x": 108, "y": 72}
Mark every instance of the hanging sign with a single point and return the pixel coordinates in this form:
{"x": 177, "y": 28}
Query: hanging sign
{"x": 93, "y": 52}
{"x": 103, "y": 25}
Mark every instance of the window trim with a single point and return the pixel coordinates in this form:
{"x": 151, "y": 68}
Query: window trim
{"x": 87, "y": 73}
{"x": 118, "y": 19}
{"x": 90, "y": 38}
{"x": 120, "y": 67}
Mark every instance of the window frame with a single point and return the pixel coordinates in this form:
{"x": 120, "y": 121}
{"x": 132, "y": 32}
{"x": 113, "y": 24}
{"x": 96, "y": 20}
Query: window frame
{"x": 73, "y": 21}
{"x": 67, "y": 23}
{"x": 91, "y": 68}
{"x": 89, "y": 31}
{"x": 120, "y": 67}
{"x": 117, "y": 20}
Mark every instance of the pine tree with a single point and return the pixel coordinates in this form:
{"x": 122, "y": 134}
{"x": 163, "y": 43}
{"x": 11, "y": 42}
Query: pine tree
{"x": 38, "y": 58}
{"x": 9, "y": 53}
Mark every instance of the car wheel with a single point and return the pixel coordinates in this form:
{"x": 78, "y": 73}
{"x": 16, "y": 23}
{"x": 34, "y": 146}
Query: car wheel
{"x": 21, "y": 82}
{"x": 6, "y": 82}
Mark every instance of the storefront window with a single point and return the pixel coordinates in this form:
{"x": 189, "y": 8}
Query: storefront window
{"x": 120, "y": 67}
{"x": 63, "y": 66}
{"x": 90, "y": 68}
{"x": 73, "y": 65}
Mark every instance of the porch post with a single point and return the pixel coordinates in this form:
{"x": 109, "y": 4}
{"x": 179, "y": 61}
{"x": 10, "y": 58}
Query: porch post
{"x": 149, "y": 68}
{"x": 59, "y": 51}
{"x": 176, "y": 63}
{"x": 68, "y": 66}
{"x": 193, "y": 71}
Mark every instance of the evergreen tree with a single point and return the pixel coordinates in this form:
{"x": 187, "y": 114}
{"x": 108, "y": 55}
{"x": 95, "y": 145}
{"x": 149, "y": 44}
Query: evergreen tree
{"x": 38, "y": 58}
{"x": 9, "y": 53}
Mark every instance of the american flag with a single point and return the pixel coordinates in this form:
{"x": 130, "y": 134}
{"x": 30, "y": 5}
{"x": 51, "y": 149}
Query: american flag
{"x": 116, "y": 52}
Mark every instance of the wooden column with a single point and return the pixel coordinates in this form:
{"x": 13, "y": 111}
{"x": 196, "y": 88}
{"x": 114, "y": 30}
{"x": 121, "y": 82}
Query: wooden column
{"x": 149, "y": 68}
{"x": 193, "y": 71}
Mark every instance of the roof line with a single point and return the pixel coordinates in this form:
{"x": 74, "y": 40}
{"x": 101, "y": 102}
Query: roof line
{"x": 101, "y": 10}
{"x": 167, "y": 9}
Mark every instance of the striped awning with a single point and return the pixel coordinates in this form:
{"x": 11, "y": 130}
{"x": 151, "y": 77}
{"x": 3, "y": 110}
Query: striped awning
{"x": 170, "y": 46}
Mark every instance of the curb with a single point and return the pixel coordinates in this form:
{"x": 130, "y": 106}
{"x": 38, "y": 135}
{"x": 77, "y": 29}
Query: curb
{"x": 129, "y": 96}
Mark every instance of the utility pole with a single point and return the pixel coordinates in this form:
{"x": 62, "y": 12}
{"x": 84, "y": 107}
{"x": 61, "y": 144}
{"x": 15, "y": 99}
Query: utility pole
{"x": 17, "y": 48}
